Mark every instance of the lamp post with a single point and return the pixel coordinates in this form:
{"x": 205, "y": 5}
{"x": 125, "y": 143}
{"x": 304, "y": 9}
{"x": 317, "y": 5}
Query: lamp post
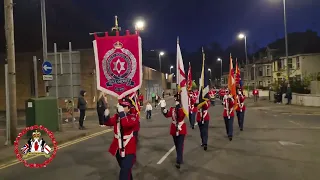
{"x": 243, "y": 36}
{"x": 209, "y": 76}
{"x": 160, "y": 54}
{"x": 220, "y": 60}
{"x": 171, "y": 68}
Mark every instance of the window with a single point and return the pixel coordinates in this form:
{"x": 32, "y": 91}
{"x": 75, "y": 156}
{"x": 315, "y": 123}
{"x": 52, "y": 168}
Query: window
{"x": 297, "y": 63}
{"x": 269, "y": 82}
{"x": 252, "y": 73}
{"x": 268, "y": 70}
{"x": 260, "y": 71}
{"x": 279, "y": 65}
{"x": 290, "y": 63}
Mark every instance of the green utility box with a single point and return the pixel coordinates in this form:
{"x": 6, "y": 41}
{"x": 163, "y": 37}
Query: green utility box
{"x": 42, "y": 111}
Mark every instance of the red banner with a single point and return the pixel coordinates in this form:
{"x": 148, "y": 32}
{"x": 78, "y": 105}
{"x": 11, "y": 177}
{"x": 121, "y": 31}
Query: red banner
{"x": 118, "y": 64}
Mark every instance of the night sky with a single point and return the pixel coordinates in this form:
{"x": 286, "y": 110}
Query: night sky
{"x": 196, "y": 22}
{"x": 199, "y": 22}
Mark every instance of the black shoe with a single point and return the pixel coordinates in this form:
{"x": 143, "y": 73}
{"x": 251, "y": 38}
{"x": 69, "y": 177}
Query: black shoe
{"x": 177, "y": 165}
{"x": 192, "y": 127}
{"x": 230, "y": 138}
{"x": 205, "y": 147}
{"x": 241, "y": 129}
{"x": 202, "y": 145}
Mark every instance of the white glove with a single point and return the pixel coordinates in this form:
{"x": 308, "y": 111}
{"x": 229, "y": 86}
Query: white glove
{"x": 229, "y": 96}
{"x": 165, "y": 110}
{"x": 106, "y": 112}
{"x": 163, "y": 104}
{"x": 177, "y": 103}
{"x": 120, "y": 109}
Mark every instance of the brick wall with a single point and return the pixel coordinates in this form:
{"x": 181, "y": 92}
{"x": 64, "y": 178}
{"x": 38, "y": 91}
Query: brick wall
{"x": 24, "y": 74}
{"x": 24, "y": 66}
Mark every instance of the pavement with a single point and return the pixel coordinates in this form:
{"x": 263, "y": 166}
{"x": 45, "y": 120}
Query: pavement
{"x": 266, "y": 105}
{"x": 272, "y": 146}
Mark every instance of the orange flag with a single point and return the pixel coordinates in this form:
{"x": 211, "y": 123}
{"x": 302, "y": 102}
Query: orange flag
{"x": 232, "y": 81}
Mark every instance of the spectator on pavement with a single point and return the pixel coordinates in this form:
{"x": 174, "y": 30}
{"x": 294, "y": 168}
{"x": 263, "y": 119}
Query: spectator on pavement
{"x": 255, "y": 94}
{"x": 82, "y": 106}
{"x": 289, "y": 94}
{"x": 156, "y": 101}
{"x": 69, "y": 107}
{"x": 153, "y": 97}
{"x": 148, "y": 110}
{"x": 102, "y": 105}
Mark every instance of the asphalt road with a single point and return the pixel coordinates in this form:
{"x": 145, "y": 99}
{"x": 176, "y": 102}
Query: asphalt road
{"x": 255, "y": 153}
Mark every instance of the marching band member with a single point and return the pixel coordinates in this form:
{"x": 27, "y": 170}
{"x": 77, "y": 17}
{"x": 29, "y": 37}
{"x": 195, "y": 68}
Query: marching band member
{"x": 178, "y": 128}
{"x": 192, "y": 108}
{"x": 203, "y": 123}
{"x": 212, "y": 94}
{"x": 123, "y": 145}
{"x": 228, "y": 113}
{"x": 240, "y": 109}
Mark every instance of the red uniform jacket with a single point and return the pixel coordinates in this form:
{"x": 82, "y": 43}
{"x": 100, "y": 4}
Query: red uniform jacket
{"x": 192, "y": 108}
{"x": 228, "y": 103}
{"x": 203, "y": 112}
{"x": 211, "y": 94}
{"x": 133, "y": 111}
{"x": 128, "y": 123}
{"x": 141, "y": 98}
{"x": 180, "y": 125}
{"x": 222, "y": 92}
{"x": 255, "y": 92}
{"x": 240, "y": 103}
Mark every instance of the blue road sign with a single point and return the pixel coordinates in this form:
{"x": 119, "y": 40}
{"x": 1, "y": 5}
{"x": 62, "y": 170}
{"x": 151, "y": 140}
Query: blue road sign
{"x": 46, "y": 67}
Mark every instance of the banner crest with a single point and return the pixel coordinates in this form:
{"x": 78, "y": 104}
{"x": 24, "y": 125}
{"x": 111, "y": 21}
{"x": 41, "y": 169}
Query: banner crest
{"x": 118, "y": 64}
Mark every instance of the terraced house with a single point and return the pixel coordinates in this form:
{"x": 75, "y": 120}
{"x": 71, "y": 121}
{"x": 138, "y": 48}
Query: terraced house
{"x": 300, "y": 66}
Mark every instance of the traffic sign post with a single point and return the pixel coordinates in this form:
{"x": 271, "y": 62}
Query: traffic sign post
{"x": 47, "y": 70}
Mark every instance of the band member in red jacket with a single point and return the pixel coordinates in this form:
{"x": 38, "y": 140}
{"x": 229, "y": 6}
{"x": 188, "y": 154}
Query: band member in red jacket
{"x": 228, "y": 113}
{"x": 178, "y": 129}
{"x": 240, "y": 109}
{"x": 141, "y": 99}
{"x": 203, "y": 123}
{"x": 192, "y": 108}
{"x": 123, "y": 145}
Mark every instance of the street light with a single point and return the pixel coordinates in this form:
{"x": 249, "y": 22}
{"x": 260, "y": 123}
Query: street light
{"x": 243, "y": 36}
{"x": 286, "y": 35}
{"x": 171, "y": 68}
{"x": 160, "y": 54}
{"x": 139, "y": 26}
{"x": 209, "y": 71}
{"x": 220, "y": 60}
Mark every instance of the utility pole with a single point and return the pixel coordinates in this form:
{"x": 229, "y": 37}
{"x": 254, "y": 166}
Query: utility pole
{"x": 44, "y": 38}
{"x": 9, "y": 32}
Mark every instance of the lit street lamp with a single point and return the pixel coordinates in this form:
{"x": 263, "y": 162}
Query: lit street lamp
{"x": 139, "y": 25}
{"x": 209, "y": 72}
{"x": 243, "y": 36}
{"x": 160, "y": 54}
{"x": 220, "y": 60}
{"x": 171, "y": 68}
{"x": 286, "y": 35}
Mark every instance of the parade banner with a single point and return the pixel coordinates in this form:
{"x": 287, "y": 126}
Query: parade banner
{"x": 118, "y": 63}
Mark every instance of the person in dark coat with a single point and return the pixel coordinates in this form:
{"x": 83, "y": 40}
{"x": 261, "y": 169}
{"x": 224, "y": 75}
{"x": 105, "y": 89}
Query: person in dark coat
{"x": 82, "y": 106}
{"x": 289, "y": 94}
{"x": 102, "y": 105}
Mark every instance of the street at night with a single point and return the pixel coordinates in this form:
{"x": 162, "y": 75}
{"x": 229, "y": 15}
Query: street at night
{"x": 272, "y": 146}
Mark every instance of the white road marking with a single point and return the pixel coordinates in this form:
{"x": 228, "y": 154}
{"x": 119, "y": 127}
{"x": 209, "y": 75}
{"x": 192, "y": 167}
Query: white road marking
{"x": 288, "y": 143}
{"x": 298, "y": 124}
{"x": 166, "y": 155}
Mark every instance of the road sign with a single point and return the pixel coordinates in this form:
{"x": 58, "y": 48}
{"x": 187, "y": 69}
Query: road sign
{"x": 46, "y": 67}
{"x": 47, "y": 77}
